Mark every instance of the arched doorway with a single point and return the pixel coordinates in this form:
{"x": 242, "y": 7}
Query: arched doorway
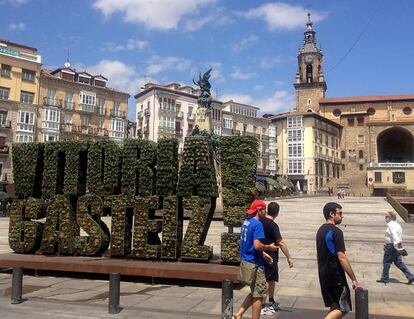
{"x": 395, "y": 145}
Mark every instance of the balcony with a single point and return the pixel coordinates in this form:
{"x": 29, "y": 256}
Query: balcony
{"x": 179, "y": 133}
{"x": 147, "y": 113}
{"x": 140, "y": 114}
{"x": 121, "y": 114}
{"x": 52, "y": 102}
{"x": 190, "y": 117}
{"x": 391, "y": 165}
{"x": 69, "y": 105}
{"x": 4, "y": 150}
{"x": 89, "y": 108}
{"x": 5, "y": 124}
{"x": 67, "y": 127}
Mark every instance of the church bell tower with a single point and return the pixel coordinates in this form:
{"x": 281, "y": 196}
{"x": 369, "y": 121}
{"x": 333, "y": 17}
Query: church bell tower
{"x": 310, "y": 82}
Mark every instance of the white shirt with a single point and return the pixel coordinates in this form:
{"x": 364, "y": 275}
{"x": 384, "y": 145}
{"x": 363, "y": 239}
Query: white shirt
{"x": 393, "y": 234}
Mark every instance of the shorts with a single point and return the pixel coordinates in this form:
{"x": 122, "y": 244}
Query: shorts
{"x": 255, "y": 277}
{"x": 337, "y": 297}
{"x": 272, "y": 272}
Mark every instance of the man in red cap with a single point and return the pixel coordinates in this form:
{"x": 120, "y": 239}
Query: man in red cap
{"x": 253, "y": 259}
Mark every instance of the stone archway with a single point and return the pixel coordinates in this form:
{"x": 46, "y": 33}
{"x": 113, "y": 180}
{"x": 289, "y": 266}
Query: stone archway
{"x": 395, "y": 145}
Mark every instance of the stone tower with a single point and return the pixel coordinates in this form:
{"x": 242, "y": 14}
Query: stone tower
{"x": 310, "y": 82}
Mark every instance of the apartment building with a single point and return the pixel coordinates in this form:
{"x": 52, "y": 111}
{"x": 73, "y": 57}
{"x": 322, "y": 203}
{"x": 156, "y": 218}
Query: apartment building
{"x": 308, "y": 148}
{"x": 19, "y": 96}
{"x": 170, "y": 111}
{"x": 78, "y": 105}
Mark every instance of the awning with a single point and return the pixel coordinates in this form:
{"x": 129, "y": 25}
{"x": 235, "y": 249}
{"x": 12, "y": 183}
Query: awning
{"x": 261, "y": 178}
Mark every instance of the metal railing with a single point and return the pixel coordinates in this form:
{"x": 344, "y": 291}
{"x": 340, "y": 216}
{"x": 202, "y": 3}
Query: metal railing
{"x": 52, "y": 102}
{"x": 391, "y": 165}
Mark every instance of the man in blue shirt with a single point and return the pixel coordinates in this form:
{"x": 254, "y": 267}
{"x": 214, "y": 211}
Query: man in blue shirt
{"x": 253, "y": 259}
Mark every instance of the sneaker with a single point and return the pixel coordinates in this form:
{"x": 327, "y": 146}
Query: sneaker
{"x": 410, "y": 281}
{"x": 267, "y": 311}
{"x": 274, "y": 305}
{"x": 383, "y": 281}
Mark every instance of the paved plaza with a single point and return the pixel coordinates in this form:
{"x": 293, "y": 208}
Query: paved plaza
{"x": 298, "y": 291}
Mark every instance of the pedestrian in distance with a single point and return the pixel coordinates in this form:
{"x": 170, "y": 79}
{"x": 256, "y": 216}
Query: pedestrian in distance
{"x": 338, "y": 192}
{"x": 393, "y": 250}
{"x": 333, "y": 264}
{"x": 272, "y": 235}
{"x": 253, "y": 259}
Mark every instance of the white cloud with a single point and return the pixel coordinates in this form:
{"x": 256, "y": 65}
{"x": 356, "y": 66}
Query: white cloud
{"x": 270, "y": 62}
{"x": 218, "y": 19}
{"x": 241, "y": 75}
{"x": 16, "y": 2}
{"x": 280, "y": 101}
{"x": 160, "y": 64}
{"x": 282, "y": 16}
{"x": 20, "y": 26}
{"x": 154, "y": 14}
{"x": 131, "y": 45}
{"x": 244, "y": 43}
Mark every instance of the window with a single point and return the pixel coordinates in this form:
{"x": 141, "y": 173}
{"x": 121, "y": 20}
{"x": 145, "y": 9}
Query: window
{"x": 295, "y": 135}
{"x": 360, "y": 121}
{"x": 371, "y": 111}
{"x": 295, "y": 167}
{"x": 5, "y": 71}
{"x": 87, "y": 98}
{"x": 294, "y": 121}
{"x": 398, "y": 177}
{"x": 217, "y": 130}
{"x": 361, "y": 167}
{"x": 100, "y": 123}
{"x": 336, "y": 112}
{"x": 117, "y": 128}
{"x": 100, "y": 103}
{"x": 25, "y": 121}
{"x": 4, "y": 93}
{"x": 343, "y": 167}
{"x": 228, "y": 123}
{"x": 378, "y": 177}
{"x": 361, "y": 154}
{"x": 167, "y": 104}
{"x": 407, "y": 110}
{"x": 26, "y": 97}
{"x": 351, "y": 121}
{"x": 28, "y": 75}
{"x": 84, "y": 120}
{"x": 295, "y": 150}
{"x": 68, "y": 119}
{"x": 167, "y": 122}
{"x": 50, "y": 138}
{"x": 190, "y": 110}
{"x": 24, "y": 138}
{"x": 360, "y": 139}
{"x": 51, "y": 118}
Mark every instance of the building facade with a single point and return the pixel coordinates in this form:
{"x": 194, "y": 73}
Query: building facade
{"x": 169, "y": 111}
{"x": 78, "y": 105}
{"x": 375, "y": 133}
{"x": 19, "y": 97}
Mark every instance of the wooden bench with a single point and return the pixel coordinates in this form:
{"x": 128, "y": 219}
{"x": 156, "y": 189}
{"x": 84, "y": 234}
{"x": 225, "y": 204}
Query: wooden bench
{"x": 211, "y": 272}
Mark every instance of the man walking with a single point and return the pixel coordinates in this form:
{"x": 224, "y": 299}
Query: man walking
{"x": 253, "y": 259}
{"x": 272, "y": 235}
{"x": 393, "y": 249}
{"x": 333, "y": 263}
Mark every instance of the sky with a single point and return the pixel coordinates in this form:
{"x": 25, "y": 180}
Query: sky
{"x": 251, "y": 45}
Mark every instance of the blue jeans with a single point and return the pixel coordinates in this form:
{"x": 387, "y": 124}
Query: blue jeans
{"x": 391, "y": 256}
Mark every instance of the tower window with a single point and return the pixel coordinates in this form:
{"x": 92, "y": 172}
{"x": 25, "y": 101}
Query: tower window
{"x": 361, "y": 154}
{"x": 371, "y": 111}
{"x": 309, "y": 72}
{"x": 336, "y": 112}
{"x": 407, "y": 110}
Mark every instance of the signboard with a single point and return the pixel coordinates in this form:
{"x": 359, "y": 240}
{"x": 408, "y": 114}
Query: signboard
{"x": 9, "y": 51}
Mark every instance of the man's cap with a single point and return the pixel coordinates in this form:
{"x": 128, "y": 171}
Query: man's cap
{"x": 256, "y": 205}
{"x": 391, "y": 214}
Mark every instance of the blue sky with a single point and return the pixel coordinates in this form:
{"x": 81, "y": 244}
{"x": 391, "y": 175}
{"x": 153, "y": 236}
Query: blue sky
{"x": 252, "y": 45}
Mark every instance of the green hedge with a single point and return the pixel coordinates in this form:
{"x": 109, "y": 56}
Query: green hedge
{"x": 172, "y": 228}
{"x": 238, "y": 158}
{"x": 27, "y": 169}
{"x": 121, "y": 224}
{"x": 25, "y": 235}
{"x": 88, "y": 217}
{"x": 104, "y": 162}
{"x": 60, "y": 229}
{"x": 193, "y": 247}
{"x": 138, "y": 167}
{"x": 197, "y": 174}
{"x": 230, "y": 248}
{"x": 143, "y": 227}
{"x": 167, "y": 167}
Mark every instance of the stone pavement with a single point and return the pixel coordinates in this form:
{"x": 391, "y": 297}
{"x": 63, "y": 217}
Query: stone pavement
{"x": 298, "y": 291}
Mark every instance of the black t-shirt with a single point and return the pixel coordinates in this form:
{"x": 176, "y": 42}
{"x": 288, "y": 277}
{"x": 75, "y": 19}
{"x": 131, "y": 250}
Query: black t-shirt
{"x": 329, "y": 241}
{"x": 272, "y": 235}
